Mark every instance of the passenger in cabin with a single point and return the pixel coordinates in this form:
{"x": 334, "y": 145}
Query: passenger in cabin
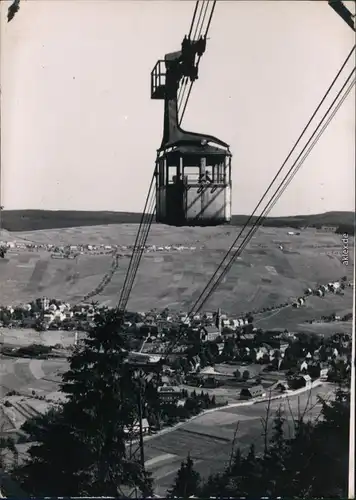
{"x": 205, "y": 178}
{"x": 178, "y": 179}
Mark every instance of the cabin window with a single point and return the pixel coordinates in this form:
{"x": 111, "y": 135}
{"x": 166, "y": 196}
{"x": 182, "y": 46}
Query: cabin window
{"x": 172, "y": 174}
{"x": 191, "y": 174}
{"x": 219, "y": 173}
{"x": 209, "y": 171}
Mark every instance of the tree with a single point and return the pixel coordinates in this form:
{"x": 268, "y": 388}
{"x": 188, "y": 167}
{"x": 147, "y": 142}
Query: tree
{"x": 165, "y": 313}
{"x": 5, "y": 318}
{"x": 187, "y": 481}
{"x": 18, "y": 314}
{"x": 184, "y": 363}
{"x": 237, "y": 374}
{"x": 192, "y": 405}
{"x": 80, "y": 446}
{"x": 275, "y": 453}
{"x": 213, "y": 349}
{"x": 8, "y": 456}
{"x": 246, "y": 375}
{"x": 311, "y": 464}
{"x": 314, "y": 370}
{"x": 203, "y": 359}
{"x": 7, "y": 449}
{"x": 229, "y": 348}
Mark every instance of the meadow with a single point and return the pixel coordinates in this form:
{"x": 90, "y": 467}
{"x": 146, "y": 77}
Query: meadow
{"x": 275, "y": 267}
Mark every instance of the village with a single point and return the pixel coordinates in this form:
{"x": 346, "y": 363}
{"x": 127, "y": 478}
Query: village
{"x": 73, "y": 251}
{"x": 217, "y": 359}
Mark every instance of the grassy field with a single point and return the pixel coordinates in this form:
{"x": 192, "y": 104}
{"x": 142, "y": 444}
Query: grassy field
{"x": 209, "y": 438}
{"x": 264, "y": 276}
{"x": 314, "y": 309}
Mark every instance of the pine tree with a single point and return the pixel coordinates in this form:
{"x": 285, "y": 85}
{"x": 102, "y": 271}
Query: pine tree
{"x": 215, "y": 486}
{"x": 187, "y": 481}
{"x": 8, "y": 450}
{"x": 311, "y": 464}
{"x": 251, "y": 471}
{"x": 329, "y": 448}
{"x": 81, "y": 446}
{"x": 274, "y": 466}
{"x": 232, "y": 480}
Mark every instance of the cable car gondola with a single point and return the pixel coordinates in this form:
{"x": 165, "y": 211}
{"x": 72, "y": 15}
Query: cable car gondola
{"x": 193, "y": 171}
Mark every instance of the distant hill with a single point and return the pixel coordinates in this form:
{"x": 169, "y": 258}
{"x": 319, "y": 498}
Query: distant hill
{"x": 33, "y": 220}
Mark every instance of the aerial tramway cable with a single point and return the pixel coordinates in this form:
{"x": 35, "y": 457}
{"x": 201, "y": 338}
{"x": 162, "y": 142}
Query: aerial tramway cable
{"x": 284, "y": 163}
{"x": 261, "y": 200}
{"x": 283, "y": 185}
{"x": 148, "y": 213}
{"x": 191, "y": 83}
{"x": 140, "y": 241}
{"x": 193, "y": 19}
{"x": 181, "y": 90}
{"x": 194, "y": 28}
{"x": 197, "y": 35}
{"x": 140, "y": 237}
{"x": 261, "y": 218}
{"x": 208, "y": 290}
{"x": 137, "y": 254}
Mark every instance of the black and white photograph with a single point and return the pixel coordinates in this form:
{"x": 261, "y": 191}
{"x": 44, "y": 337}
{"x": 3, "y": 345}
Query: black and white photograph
{"x": 177, "y": 223}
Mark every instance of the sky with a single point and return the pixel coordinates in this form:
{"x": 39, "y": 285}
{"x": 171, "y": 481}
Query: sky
{"x": 80, "y": 132}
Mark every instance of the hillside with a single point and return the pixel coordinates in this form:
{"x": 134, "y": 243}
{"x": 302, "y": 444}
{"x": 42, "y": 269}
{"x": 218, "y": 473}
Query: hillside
{"x": 33, "y": 220}
{"x": 265, "y": 275}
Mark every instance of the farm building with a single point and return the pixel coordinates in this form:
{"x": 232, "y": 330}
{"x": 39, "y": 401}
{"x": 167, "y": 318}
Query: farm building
{"x": 169, "y": 394}
{"x": 209, "y": 333}
{"x": 195, "y": 363}
{"x": 255, "y": 391}
{"x": 324, "y": 373}
{"x": 211, "y": 382}
{"x": 142, "y": 359}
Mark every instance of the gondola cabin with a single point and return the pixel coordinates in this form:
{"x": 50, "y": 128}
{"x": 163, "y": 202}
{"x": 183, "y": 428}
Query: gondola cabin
{"x": 193, "y": 186}
{"x": 193, "y": 171}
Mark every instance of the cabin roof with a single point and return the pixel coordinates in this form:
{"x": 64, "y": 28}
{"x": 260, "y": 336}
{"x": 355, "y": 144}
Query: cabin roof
{"x": 197, "y": 148}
